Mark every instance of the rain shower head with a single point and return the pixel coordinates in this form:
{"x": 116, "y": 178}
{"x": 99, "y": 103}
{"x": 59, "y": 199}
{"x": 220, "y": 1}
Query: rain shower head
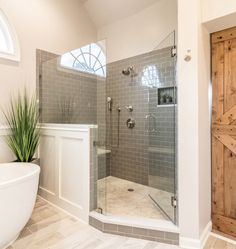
{"x": 128, "y": 71}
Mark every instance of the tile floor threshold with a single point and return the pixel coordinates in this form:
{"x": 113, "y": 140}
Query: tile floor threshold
{"x": 135, "y": 229}
{"x": 140, "y": 222}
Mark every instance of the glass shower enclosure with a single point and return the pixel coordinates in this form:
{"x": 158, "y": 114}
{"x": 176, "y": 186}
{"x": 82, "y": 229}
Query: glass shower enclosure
{"x": 136, "y": 164}
{"x": 132, "y": 106}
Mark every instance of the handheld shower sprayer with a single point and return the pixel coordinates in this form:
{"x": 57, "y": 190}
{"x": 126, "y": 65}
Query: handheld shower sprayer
{"x": 109, "y": 103}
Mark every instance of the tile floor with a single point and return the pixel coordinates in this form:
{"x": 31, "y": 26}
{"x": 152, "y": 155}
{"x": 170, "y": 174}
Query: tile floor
{"x": 216, "y": 243}
{"x": 50, "y": 228}
{"x": 115, "y": 199}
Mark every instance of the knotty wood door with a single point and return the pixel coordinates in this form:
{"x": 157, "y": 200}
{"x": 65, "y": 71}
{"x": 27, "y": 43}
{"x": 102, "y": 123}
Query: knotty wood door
{"x": 224, "y": 131}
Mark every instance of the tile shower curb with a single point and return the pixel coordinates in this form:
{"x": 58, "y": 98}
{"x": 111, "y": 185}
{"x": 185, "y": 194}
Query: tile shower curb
{"x": 135, "y": 232}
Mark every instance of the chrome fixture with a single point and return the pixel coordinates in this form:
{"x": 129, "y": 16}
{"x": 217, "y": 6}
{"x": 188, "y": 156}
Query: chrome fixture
{"x": 129, "y": 71}
{"x": 151, "y": 123}
{"x": 130, "y": 123}
{"x": 129, "y": 108}
{"x": 188, "y": 56}
{"x": 118, "y": 109}
{"x": 173, "y": 51}
{"x": 109, "y": 103}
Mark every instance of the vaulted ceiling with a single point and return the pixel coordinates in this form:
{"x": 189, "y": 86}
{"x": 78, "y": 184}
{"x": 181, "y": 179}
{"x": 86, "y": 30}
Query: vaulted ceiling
{"x": 104, "y": 12}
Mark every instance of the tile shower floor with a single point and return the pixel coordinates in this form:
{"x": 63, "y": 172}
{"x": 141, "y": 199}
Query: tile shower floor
{"x": 115, "y": 199}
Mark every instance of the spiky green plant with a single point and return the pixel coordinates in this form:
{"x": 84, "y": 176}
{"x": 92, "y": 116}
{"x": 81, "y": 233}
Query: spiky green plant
{"x": 22, "y": 118}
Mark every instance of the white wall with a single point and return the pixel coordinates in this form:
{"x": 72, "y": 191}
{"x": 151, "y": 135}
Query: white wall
{"x": 204, "y": 127}
{"x": 140, "y": 33}
{"x": 212, "y": 9}
{"x": 194, "y": 107}
{"x": 104, "y": 12}
{"x": 188, "y": 120}
{"x": 194, "y": 126}
{"x": 218, "y": 14}
{"x": 53, "y": 25}
{"x": 5, "y": 153}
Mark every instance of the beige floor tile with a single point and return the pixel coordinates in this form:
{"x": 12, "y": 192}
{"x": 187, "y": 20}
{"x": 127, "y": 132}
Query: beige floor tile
{"x": 57, "y": 230}
{"x": 115, "y": 199}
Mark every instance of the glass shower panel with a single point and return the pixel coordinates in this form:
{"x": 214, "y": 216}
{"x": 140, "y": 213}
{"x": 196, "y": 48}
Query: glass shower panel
{"x": 162, "y": 129}
{"x": 72, "y": 90}
{"x": 101, "y": 152}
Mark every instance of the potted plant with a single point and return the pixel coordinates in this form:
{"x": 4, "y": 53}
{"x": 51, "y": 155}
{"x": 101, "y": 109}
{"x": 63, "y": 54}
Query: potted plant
{"x": 22, "y": 119}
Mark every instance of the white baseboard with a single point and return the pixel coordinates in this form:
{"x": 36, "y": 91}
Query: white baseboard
{"x": 189, "y": 243}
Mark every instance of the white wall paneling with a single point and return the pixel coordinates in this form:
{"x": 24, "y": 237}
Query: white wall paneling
{"x": 64, "y": 158}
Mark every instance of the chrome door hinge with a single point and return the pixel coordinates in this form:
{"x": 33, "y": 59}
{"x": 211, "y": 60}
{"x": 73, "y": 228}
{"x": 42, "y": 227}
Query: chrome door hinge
{"x": 173, "y": 51}
{"x": 95, "y": 143}
{"x": 100, "y": 210}
{"x": 173, "y": 201}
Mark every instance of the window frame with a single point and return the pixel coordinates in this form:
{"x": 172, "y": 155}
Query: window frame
{"x": 77, "y": 70}
{"x": 10, "y": 33}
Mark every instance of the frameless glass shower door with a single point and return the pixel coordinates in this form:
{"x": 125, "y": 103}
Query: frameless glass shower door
{"x": 162, "y": 130}
{"x": 138, "y": 159}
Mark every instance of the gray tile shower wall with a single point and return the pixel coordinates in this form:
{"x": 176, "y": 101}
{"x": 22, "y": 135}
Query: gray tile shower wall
{"x": 66, "y": 96}
{"x": 144, "y": 154}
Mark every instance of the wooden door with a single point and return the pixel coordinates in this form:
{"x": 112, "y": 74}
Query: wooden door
{"x": 224, "y": 131}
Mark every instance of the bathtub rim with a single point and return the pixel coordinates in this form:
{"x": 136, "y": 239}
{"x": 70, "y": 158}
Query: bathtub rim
{"x": 31, "y": 174}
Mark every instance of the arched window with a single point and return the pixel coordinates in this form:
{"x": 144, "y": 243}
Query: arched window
{"x": 9, "y": 48}
{"x": 90, "y": 59}
{"x": 150, "y": 76}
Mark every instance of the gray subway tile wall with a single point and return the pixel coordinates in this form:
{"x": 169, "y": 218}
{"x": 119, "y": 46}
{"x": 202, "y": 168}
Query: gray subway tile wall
{"x": 145, "y": 154}
{"x": 66, "y": 96}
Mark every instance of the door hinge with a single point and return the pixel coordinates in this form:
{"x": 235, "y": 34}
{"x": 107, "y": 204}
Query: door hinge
{"x": 173, "y": 201}
{"x": 100, "y": 210}
{"x": 173, "y": 51}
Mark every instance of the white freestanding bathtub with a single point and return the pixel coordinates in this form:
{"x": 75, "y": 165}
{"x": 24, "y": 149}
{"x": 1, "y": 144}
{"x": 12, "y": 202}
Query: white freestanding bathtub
{"x": 18, "y": 191}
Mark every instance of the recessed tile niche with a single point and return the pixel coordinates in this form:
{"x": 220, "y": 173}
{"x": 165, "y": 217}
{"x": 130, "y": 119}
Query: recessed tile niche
{"x": 166, "y": 96}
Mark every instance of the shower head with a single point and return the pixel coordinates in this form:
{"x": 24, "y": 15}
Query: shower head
{"x": 128, "y": 71}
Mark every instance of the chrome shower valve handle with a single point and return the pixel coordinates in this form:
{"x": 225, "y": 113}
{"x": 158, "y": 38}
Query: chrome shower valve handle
{"x": 129, "y": 108}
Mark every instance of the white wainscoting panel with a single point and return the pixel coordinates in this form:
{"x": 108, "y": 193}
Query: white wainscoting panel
{"x": 47, "y": 163}
{"x": 64, "y": 158}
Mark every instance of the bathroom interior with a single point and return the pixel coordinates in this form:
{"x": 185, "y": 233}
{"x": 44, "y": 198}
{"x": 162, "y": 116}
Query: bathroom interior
{"x": 131, "y": 105}
{"x": 123, "y": 98}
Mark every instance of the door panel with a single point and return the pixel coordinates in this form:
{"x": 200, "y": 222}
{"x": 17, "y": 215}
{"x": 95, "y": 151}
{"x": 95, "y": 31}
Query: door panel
{"x": 224, "y": 131}
{"x": 217, "y": 177}
{"x": 229, "y": 74}
{"x": 230, "y": 183}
